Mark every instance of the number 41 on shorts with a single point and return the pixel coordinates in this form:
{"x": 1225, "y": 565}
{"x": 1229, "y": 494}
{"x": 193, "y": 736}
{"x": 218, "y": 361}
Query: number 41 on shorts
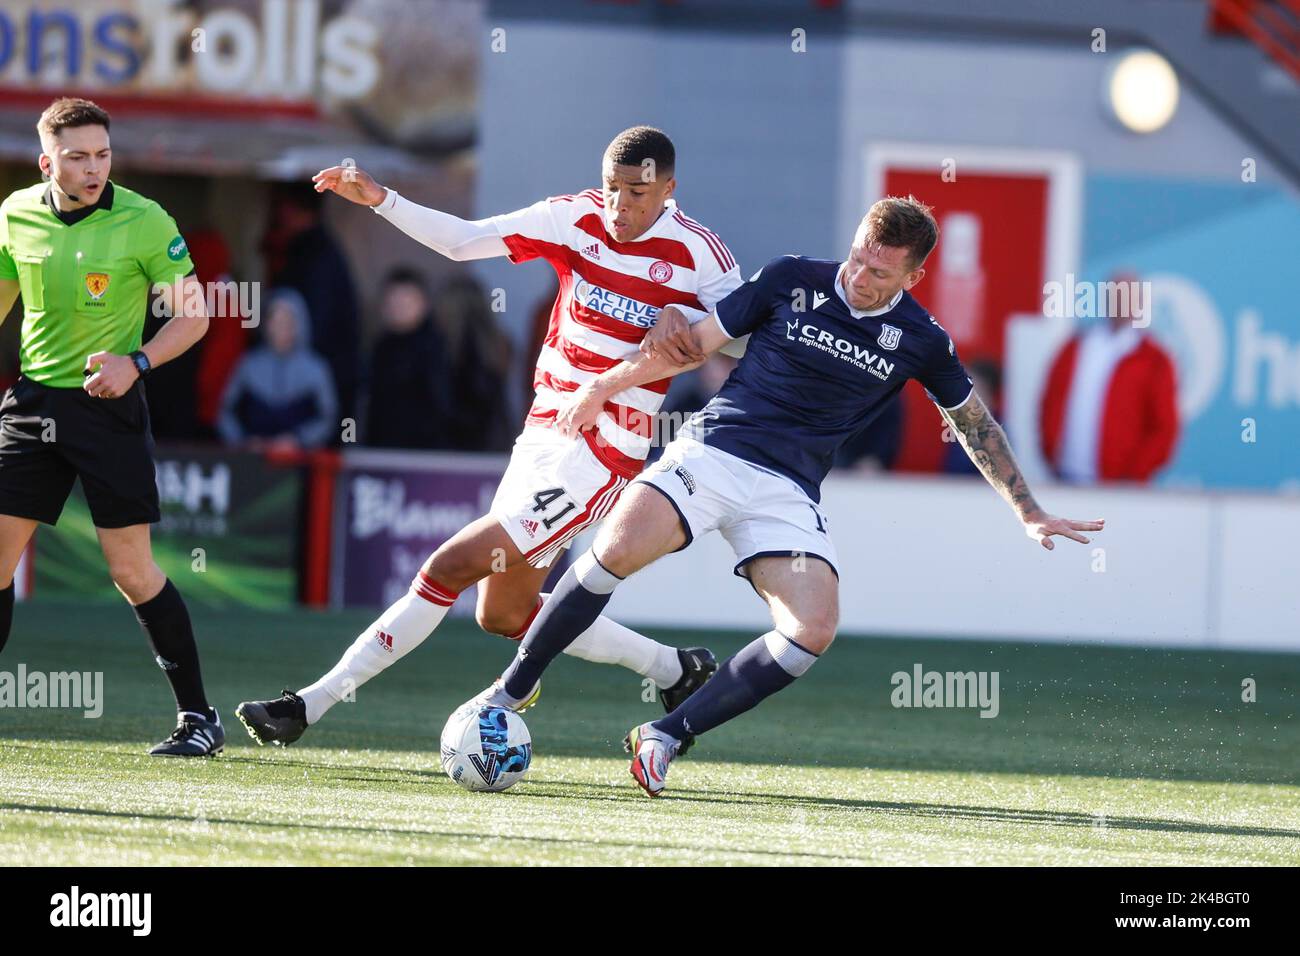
{"x": 548, "y": 504}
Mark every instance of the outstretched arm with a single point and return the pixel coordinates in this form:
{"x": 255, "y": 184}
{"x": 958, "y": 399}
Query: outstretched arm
{"x": 580, "y": 412}
{"x": 456, "y": 238}
{"x": 986, "y": 444}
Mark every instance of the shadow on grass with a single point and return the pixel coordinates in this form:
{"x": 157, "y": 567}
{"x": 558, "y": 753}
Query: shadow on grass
{"x": 943, "y": 751}
{"x": 378, "y": 829}
{"x": 552, "y": 789}
{"x": 773, "y": 802}
{"x": 563, "y": 789}
{"x": 1103, "y": 712}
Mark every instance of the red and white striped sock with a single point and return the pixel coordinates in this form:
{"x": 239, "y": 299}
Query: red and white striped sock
{"x": 394, "y": 634}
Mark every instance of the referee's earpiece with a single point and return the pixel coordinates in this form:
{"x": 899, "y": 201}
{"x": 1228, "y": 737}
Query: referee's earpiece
{"x": 46, "y": 164}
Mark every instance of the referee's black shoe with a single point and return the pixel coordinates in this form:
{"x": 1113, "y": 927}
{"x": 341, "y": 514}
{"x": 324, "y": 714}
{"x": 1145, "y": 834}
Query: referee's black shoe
{"x": 279, "y": 722}
{"x": 194, "y": 736}
{"x": 698, "y": 665}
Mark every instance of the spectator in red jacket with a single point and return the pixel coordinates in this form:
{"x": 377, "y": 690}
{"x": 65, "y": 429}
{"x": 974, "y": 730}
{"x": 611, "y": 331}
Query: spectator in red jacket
{"x": 1109, "y": 411}
{"x": 224, "y": 343}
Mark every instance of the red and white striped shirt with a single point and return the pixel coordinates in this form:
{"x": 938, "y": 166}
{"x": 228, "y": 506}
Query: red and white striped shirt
{"x": 610, "y": 295}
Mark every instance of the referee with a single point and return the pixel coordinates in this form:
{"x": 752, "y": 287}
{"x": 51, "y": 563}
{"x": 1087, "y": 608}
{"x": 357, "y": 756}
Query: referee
{"x": 84, "y": 254}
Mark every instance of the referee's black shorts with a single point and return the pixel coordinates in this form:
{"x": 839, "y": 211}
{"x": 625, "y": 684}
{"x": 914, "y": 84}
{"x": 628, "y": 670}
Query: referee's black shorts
{"x": 51, "y": 436}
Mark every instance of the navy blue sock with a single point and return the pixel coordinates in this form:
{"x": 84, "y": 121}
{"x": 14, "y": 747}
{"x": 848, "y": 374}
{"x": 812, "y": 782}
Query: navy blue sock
{"x": 572, "y": 607}
{"x": 6, "y": 613}
{"x": 758, "y": 670}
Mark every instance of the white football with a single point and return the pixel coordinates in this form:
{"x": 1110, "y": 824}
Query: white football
{"x": 486, "y": 748}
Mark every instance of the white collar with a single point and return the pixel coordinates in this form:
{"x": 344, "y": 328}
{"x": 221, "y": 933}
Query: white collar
{"x": 857, "y": 314}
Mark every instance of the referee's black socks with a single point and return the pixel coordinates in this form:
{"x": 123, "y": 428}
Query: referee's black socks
{"x": 166, "y": 623}
{"x": 6, "y": 613}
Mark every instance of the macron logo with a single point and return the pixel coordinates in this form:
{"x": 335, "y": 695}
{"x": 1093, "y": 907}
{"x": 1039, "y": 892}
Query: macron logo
{"x": 819, "y": 299}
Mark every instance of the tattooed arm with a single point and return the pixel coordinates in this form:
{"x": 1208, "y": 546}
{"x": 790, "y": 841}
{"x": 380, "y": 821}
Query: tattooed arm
{"x": 986, "y": 444}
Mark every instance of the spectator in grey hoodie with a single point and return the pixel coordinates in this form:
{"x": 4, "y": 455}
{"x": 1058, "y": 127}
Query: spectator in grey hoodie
{"x": 281, "y": 394}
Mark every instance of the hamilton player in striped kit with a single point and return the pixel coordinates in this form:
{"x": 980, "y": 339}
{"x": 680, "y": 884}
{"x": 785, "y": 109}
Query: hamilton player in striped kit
{"x": 621, "y": 252}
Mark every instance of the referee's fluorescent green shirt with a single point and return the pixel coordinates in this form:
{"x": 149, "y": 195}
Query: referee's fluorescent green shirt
{"x": 85, "y": 275}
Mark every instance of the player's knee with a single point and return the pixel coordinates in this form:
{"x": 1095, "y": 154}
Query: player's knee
{"x": 138, "y": 581}
{"x": 453, "y": 568}
{"x": 816, "y": 640}
{"x": 503, "y": 621}
{"x": 616, "y": 557}
{"x": 816, "y": 631}
{"x": 618, "y": 551}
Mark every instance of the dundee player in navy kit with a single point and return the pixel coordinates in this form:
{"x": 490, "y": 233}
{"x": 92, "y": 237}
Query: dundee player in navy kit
{"x": 830, "y": 344}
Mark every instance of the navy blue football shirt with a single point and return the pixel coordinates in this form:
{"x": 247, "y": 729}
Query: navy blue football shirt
{"x": 815, "y": 370}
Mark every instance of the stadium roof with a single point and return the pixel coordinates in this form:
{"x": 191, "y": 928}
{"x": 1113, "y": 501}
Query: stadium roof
{"x": 265, "y": 147}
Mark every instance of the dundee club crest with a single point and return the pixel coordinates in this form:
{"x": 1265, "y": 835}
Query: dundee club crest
{"x": 889, "y": 337}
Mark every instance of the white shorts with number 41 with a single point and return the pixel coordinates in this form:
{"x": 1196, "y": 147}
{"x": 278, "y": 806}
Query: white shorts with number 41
{"x": 553, "y": 489}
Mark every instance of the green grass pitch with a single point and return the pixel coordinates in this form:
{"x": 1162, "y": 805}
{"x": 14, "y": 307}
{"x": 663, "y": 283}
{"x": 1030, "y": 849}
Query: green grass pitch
{"x": 1098, "y": 756}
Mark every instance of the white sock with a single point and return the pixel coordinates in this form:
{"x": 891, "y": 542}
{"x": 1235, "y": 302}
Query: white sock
{"x": 609, "y": 642}
{"x": 398, "y": 631}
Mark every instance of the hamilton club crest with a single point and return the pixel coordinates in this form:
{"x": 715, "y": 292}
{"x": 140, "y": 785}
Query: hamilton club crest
{"x": 889, "y": 337}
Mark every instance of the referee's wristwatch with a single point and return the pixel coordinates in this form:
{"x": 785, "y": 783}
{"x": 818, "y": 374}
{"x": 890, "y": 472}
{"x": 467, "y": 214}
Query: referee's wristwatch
{"x": 141, "y": 361}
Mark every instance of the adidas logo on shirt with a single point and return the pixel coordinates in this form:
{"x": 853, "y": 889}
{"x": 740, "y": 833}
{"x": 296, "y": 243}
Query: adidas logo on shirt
{"x": 592, "y": 251}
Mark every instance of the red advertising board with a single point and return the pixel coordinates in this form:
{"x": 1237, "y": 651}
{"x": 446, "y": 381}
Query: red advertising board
{"x": 998, "y": 244}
